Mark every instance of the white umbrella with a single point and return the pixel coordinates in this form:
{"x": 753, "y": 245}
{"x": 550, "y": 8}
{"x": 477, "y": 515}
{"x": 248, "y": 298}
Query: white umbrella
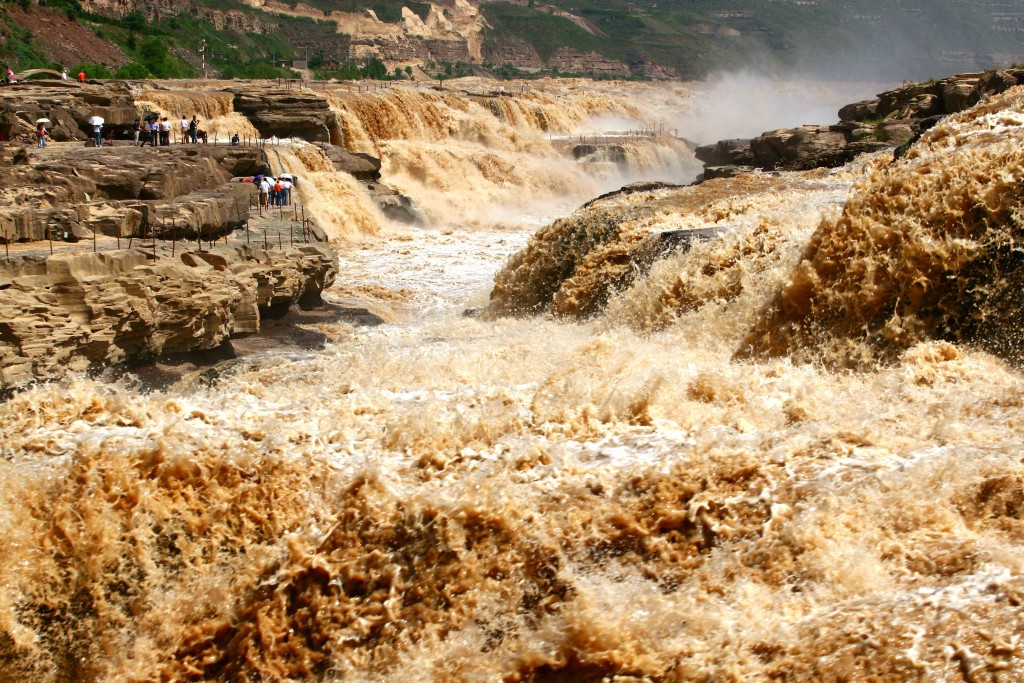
{"x": 42, "y": 120}
{"x": 289, "y": 176}
{"x": 96, "y": 120}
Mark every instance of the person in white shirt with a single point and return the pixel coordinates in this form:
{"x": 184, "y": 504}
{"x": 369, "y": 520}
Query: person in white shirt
{"x": 64, "y": 75}
{"x": 184, "y": 129}
{"x": 264, "y": 192}
{"x": 286, "y": 192}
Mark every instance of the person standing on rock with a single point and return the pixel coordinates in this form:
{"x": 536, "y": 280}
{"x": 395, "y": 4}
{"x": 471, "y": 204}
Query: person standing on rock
{"x": 64, "y": 75}
{"x": 41, "y": 132}
{"x": 97, "y": 134}
{"x": 193, "y": 130}
{"x": 152, "y": 128}
{"x": 264, "y": 192}
{"x": 81, "y": 76}
{"x": 165, "y": 132}
{"x": 136, "y": 129}
{"x": 184, "y": 129}
{"x": 286, "y": 192}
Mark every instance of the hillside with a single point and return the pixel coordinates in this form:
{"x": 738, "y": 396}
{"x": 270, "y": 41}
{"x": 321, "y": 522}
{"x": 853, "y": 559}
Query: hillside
{"x": 602, "y": 38}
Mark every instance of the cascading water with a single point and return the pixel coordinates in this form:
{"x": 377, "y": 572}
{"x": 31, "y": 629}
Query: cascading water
{"x": 597, "y": 492}
{"x": 215, "y": 111}
{"x": 485, "y": 156}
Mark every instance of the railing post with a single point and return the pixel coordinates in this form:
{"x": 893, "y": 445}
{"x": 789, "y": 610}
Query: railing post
{"x": 174, "y": 235}
{"x": 49, "y": 234}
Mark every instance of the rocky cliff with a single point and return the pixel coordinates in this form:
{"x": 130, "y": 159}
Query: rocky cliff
{"x": 71, "y": 312}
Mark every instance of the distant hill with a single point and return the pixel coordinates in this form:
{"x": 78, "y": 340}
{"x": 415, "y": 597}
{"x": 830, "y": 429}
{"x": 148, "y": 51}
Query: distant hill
{"x": 893, "y": 39}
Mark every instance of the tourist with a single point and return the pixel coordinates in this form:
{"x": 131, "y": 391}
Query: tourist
{"x": 264, "y": 191}
{"x": 81, "y": 76}
{"x": 165, "y": 132}
{"x": 136, "y": 129}
{"x": 10, "y": 76}
{"x": 235, "y": 141}
{"x": 275, "y": 194}
{"x": 64, "y": 74}
{"x": 286, "y": 192}
{"x": 97, "y": 134}
{"x": 184, "y": 129}
{"x": 152, "y": 128}
{"x": 41, "y": 132}
{"x": 193, "y": 129}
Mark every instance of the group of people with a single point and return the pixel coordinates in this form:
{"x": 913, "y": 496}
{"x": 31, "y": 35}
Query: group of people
{"x": 157, "y": 131}
{"x": 274, "y": 191}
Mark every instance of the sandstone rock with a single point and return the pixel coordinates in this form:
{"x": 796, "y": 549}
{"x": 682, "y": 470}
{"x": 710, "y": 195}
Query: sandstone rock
{"x": 787, "y": 147}
{"x": 394, "y": 205}
{"x": 72, "y": 311}
{"x": 858, "y": 111}
{"x": 284, "y": 112}
{"x": 68, "y": 106}
{"x": 734, "y": 152}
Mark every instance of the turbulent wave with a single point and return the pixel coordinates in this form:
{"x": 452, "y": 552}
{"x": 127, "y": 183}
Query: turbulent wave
{"x": 927, "y": 248}
{"x": 598, "y": 493}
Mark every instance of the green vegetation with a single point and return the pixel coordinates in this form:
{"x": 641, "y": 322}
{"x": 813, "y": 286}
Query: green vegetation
{"x": 373, "y": 70}
{"x": 545, "y": 32}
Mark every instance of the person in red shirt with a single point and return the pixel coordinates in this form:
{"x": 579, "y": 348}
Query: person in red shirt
{"x": 81, "y": 77}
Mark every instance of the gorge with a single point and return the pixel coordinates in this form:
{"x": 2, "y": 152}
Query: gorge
{"x": 591, "y": 422}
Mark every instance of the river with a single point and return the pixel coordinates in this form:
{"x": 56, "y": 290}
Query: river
{"x": 448, "y": 495}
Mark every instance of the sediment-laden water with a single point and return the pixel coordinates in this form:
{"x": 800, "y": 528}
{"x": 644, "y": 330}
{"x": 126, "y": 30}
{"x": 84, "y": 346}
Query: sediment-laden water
{"x": 625, "y": 483}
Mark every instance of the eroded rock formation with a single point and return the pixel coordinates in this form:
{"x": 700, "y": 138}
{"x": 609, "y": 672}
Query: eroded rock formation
{"x": 70, "y": 312}
{"x": 124, "y": 191}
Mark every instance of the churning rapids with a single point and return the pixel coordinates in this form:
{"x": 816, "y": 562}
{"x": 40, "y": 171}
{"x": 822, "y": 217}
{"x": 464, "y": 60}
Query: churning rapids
{"x": 791, "y": 452}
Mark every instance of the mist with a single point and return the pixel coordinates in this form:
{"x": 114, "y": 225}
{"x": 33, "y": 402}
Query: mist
{"x": 745, "y": 104}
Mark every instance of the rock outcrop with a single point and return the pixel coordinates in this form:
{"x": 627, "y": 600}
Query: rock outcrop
{"x": 71, "y": 312}
{"x": 68, "y": 106}
{"x": 892, "y": 119}
{"x": 124, "y": 191}
{"x": 284, "y": 113}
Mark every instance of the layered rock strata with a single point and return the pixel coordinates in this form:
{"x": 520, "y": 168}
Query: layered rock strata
{"x": 278, "y": 112}
{"x": 124, "y": 191}
{"x": 892, "y": 119}
{"x": 71, "y": 312}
